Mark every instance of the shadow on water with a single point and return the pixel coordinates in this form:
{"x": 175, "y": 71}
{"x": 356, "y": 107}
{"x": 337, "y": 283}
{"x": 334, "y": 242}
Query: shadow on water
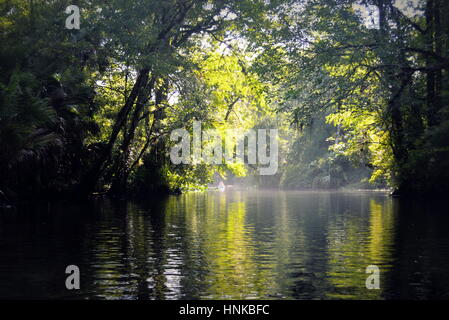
{"x": 230, "y": 245}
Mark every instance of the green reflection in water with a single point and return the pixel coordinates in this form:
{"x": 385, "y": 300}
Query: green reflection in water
{"x": 354, "y": 245}
{"x": 244, "y": 245}
{"x": 225, "y": 240}
{"x": 237, "y": 244}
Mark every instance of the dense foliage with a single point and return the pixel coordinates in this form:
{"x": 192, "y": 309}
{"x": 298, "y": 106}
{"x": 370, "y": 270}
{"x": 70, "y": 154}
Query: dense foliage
{"x": 378, "y": 71}
{"x": 358, "y": 89}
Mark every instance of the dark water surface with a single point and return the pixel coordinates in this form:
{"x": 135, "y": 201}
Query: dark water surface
{"x": 231, "y": 245}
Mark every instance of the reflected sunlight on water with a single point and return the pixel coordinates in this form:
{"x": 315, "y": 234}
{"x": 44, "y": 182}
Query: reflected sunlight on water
{"x": 230, "y": 245}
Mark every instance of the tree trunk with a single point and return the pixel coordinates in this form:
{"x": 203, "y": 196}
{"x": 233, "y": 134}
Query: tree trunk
{"x": 123, "y": 168}
{"x": 91, "y": 179}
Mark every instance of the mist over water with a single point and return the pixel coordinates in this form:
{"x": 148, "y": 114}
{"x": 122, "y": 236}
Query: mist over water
{"x": 229, "y": 245}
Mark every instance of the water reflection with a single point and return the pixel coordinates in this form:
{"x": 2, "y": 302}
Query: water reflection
{"x": 231, "y": 245}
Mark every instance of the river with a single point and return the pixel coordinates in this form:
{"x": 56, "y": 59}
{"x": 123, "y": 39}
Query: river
{"x": 228, "y": 245}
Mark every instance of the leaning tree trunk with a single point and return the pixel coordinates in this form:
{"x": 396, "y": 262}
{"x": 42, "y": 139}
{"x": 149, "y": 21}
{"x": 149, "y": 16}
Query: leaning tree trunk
{"x": 91, "y": 179}
{"x": 124, "y": 167}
